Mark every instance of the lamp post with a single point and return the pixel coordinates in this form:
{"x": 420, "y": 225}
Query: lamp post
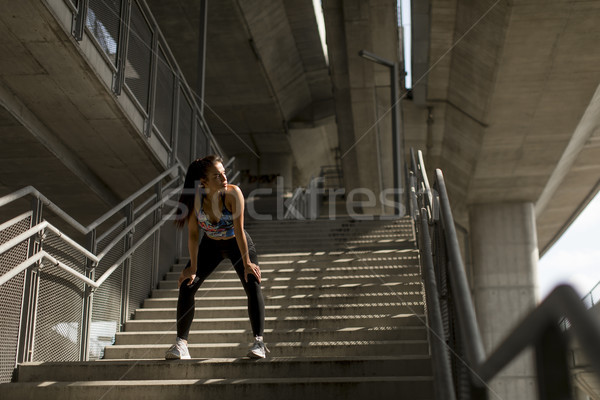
{"x": 396, "y": 140}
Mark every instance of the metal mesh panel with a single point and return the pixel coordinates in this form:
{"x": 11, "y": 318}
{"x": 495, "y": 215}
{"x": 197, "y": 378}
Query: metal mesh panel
{"x": 139, "y": 56}
{"x": 201, "y": 141}
{"x": 11, "y": 294}
{"x": 168, "y": 251}
{"x": 59, "y": 308}
{"x": 163, "y": 105}
{"x": 184, "y": 133}
{"x": 106, "y": 307}
{"x": 141, "y": 266}
{"x": 103, "y": 20}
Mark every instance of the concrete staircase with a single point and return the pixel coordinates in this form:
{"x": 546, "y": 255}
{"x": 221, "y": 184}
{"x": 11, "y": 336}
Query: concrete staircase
{"x": 344, "y": 320}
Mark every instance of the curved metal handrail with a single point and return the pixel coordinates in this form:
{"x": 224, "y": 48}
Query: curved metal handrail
{"x": 37, "y": 229}
{"x": 458, "y": 279}
{"x": 30, "y": 190}
{"x": 539, "y": 328}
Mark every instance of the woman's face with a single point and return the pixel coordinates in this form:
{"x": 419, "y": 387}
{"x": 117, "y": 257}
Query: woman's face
{"x": 215, "y": 178}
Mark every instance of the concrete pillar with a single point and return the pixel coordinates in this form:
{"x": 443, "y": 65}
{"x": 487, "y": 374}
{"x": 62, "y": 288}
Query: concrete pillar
{"x": 504, "y": 281}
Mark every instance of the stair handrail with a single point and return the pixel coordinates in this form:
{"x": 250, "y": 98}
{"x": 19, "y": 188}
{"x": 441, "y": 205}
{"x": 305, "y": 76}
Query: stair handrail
{"x": 303, "y": 204}
{"x": 421, "y": 185}
{"x": 37, "y": 229}
{"x": 588, "y": 299}
{"x": 539, "y": 328}
{"x": 443, "y": 385}
{"x": 42, "y": 226}
{"x": 30, "y": 190}
{"x": 176, "y": 171}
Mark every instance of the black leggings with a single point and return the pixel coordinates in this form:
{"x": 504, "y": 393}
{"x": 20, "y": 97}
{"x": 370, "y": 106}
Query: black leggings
{"x": 210, "y": 253}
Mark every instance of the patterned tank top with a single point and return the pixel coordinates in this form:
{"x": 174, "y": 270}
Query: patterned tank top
{"x": 223, "y": 228}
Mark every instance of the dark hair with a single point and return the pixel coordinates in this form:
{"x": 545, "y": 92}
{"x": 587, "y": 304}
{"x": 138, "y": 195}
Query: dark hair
{"x": 196, "y": 171}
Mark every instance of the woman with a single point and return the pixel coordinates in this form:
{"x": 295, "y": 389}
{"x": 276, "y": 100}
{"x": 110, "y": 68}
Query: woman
{"x": 212, "y": 205}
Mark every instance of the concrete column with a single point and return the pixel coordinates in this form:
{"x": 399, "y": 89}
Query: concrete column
{"x": 505, "y": 258}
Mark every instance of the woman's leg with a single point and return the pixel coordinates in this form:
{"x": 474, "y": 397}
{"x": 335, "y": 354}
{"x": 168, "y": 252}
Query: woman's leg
{"x": 209, "y": 257}
{"x": 256, "y": 304}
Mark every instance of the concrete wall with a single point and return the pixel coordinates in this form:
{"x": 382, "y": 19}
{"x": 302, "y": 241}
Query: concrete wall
{"x": 312, "y": 148}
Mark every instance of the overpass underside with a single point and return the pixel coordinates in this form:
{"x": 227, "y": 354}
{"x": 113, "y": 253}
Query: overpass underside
{"x": 507, "y": 104}
{"x": 88, "y": 118}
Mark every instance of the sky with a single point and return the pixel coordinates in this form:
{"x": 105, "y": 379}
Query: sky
{"x": 575, "y": 257}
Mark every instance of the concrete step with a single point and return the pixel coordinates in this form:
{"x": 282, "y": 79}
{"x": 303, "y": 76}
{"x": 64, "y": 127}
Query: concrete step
{"x": 288, "y": 246}
{"x": 348, "y": 388}
{"x": 285, "y": 323}
{"x": 304, "y": 289}
{"x": 341, "y": 221}
{"x": 302, "y": 257}
{"x": 298, "y": 299}
{"x": 277, "y": 349}
{"x": 335, "y": 266}
{"x": 344, "y": 319}
{"x": 391, "y": 239}
{"x": 302, "y": 230}
{"x": 295, "y": 335}
{"x": 223, "y": 368}
{"x": 287, "y": 311}
{"x": 227, "y": 280}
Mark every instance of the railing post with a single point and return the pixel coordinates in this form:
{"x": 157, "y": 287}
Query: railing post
{"x": 125, "y": 286}
{"x": 88, "y": 297}
{"x": 156, "y": 244}
{"x": 79, "y": 20}
{"x": 554, "y": 378}
{"x": 443, "y": 384}
{"x": 175, "y": 122}
{"x": 124, "y": 31}
{"x": 149, "y": 122}
{"x": 30, "y": 293}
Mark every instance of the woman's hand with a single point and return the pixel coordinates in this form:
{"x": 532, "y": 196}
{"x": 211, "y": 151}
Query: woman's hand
{"x": 187, "y": 273}
{"x": 251, "y": 269}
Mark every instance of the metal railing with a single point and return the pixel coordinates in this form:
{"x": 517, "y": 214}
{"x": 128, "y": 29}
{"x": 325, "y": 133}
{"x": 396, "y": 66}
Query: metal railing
{"x": 305, "y": 203}
{"x": 57, "y": 290}
{"x": 143, "y": 68}
{"x": 65, "y": 295}
{"x": 56, "y": 284}
{"x": 589, "y": 300}
{"x": 68, "y": 291}
{"x": 461, "y": 368}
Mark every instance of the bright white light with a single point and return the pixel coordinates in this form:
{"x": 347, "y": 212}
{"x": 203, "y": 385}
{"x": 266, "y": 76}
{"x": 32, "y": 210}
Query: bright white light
{"x": 321, "y": 24}
{"x": 406, "y": 25}
{"x": 574, "y": 258}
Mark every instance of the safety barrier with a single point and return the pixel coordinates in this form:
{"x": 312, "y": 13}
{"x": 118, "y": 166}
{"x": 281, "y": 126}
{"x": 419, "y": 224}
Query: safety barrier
{"x": 461, "y": 368}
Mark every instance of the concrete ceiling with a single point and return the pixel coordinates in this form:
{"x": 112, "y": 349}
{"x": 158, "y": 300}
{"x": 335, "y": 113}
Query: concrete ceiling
{"x": 500, "y": 89}
{"x": 509, "y": 83}
{"x": 505, "y": 98}
{"x": 265, "y": 67}
{"x": 60, "y": 129}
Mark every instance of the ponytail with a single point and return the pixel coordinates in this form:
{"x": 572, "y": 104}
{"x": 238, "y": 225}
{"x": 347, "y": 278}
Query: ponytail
{"x": 196, "y": 171}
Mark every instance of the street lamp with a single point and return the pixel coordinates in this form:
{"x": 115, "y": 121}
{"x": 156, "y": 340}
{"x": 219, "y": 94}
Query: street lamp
{"x": 396, "y": 142}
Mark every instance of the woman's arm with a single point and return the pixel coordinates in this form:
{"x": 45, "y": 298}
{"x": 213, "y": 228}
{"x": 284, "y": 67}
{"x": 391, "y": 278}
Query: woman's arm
{"x": 193, "y": 241}
{"x": 235, "y": 200}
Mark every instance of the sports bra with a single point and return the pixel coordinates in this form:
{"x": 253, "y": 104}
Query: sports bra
{"x": 223, "y": 228}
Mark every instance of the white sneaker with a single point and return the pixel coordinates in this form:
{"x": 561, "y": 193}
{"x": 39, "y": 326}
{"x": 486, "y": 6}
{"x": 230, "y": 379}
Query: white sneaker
{"x": 258, "y": 349}
{"x": 179, "y": 351}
